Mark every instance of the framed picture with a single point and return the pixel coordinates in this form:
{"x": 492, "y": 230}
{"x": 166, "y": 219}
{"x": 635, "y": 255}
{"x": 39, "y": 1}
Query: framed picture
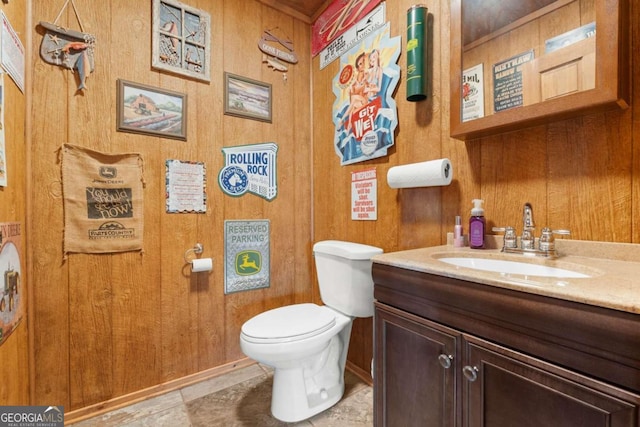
{"x": 151, "y": 111}
{"x": 247, "y": 98}
{"x": 181, "y": 39}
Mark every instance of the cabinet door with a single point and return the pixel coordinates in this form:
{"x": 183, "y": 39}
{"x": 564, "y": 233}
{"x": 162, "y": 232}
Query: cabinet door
{"x": 414, "y": 377}
{"x": 505, "y": 388}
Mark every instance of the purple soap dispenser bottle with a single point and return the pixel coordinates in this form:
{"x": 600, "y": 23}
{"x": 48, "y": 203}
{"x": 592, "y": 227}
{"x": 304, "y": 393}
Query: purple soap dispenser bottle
{"x": 477, "y": 225}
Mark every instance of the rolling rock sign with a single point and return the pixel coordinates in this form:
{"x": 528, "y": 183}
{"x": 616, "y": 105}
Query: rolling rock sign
{"x": 250, "y": 168}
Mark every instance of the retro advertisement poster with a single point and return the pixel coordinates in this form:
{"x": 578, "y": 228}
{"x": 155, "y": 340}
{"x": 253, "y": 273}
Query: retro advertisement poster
{"x": 337, "y": 18}
{"x": 507, "y": 82}
{"x": 473, "y": 93}
{"x": 12, "y": 287}
{"x": 364, "y": 112}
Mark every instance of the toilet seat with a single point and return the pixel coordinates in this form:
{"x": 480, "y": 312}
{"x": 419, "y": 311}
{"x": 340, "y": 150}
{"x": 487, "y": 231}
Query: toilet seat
{"x": 288, "y": 323}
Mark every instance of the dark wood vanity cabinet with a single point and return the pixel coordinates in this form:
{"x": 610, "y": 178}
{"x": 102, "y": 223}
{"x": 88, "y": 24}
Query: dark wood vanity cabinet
{"x": 452, "y": 353}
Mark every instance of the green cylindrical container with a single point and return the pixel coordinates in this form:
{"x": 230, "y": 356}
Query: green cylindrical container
{"x": 417, "y": 52}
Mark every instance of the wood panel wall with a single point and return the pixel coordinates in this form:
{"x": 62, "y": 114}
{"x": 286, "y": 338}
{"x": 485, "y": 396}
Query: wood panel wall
{"x": 109, "y": 325}
{"x": 14, "y": 351}
{"x": 582, "y": 174}
{"x": 105, "y": 326}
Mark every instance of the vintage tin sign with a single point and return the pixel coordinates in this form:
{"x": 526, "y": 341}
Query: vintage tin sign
{"x": 336, "y": 19}
{"x": 247, "y": 257}
{"x": 250, "y": 169}
{"x": 365, "y": 114}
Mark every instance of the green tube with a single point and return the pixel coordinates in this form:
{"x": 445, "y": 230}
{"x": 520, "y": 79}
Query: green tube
{"x": 417, "y": 52}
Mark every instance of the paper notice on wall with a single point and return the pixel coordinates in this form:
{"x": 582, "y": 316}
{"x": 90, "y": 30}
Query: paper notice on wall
{"x": 3, "y": 153}
{"x": 12, "y": 53}
{"x": 185, "y": 183}
{"x": 473, "y": 93}
{"x": 364, "y": 195}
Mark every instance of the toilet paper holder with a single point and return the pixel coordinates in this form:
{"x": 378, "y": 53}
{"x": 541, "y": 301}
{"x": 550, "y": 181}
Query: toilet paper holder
{"x": 196, "y": 250}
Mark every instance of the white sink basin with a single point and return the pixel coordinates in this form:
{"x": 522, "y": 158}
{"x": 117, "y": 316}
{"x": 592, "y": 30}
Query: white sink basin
{"x": 513, "y": 267}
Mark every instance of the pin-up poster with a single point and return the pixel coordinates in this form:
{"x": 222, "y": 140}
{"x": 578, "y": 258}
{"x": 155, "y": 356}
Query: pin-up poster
{"x": 364, "y": 112}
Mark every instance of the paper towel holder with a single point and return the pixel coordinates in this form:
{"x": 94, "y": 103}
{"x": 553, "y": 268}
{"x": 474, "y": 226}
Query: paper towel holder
{"x": 196, "y": 250}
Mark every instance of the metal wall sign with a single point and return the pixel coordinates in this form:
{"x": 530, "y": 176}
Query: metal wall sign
{"x": 365, "y": 114}
{"x": 374, "y": 20}
{"x": 246, "y": 255}
{"x": 250, "y": 168}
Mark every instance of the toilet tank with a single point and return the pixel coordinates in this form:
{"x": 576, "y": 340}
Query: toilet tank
{"x": 344, "y": 276}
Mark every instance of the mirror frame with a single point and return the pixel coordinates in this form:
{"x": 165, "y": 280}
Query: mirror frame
{"x": 611, "y": 87}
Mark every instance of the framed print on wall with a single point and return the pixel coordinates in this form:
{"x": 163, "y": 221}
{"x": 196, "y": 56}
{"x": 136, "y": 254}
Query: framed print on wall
{"x": 244, "y": 97}
{"x": 147, "y": 110}
{"x": 181, "y": 39}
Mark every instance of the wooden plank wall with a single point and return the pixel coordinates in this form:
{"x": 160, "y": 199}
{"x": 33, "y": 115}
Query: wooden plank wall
{"x": 108, "y": 325}
{"x": 582, "y": 174}
{"x": 14, "y": 355}
{"x": 105, "y": 326}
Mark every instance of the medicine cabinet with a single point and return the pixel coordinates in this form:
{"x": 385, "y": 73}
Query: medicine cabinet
{"x": 520, "y": 63}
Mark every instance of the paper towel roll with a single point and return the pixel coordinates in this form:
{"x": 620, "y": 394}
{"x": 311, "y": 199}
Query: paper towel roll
{"x": 201, "y": 264}
{"x": 424, "y": 174}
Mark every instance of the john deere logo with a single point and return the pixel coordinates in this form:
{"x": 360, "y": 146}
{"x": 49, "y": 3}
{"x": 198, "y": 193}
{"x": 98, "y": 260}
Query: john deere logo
{"x": 248, "y": 263}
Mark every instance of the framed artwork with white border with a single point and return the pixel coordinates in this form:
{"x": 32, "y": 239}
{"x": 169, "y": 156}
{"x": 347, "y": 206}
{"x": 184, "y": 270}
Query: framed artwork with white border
{"x": 181, "y": 39}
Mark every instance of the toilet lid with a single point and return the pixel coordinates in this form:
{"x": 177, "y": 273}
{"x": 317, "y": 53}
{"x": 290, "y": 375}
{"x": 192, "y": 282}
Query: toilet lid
{"x": 289, "y": 323}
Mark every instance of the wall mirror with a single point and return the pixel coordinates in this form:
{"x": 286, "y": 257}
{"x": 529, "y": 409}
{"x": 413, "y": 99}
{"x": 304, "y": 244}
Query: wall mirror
{"x": 520, "y": 63}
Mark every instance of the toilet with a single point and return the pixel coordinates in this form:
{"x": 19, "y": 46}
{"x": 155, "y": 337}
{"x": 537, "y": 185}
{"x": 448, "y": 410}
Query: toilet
{"x": 307, "y": 344}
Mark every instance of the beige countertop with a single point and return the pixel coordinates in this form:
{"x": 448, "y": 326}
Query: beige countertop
{"x": 614, "y": 269}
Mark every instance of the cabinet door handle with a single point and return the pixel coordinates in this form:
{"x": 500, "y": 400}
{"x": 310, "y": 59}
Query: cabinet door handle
{"x": 470, "y": 373}
{"x": 445, "y": 360}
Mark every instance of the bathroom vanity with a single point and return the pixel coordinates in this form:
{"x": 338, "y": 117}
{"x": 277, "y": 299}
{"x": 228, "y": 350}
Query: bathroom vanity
{"x": 457, "y": 346}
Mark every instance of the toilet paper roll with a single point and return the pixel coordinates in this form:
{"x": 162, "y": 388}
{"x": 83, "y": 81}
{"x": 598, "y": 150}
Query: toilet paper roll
{"x": 424, "y": 174}
{"x": 201, "y": 264}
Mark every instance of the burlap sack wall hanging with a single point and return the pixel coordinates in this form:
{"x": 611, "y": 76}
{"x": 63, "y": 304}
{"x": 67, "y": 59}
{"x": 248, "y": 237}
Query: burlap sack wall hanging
{"x": 103, "y": 201}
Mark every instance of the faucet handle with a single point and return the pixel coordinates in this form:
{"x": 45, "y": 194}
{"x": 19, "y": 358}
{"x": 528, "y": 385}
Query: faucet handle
{"x": 527, "y": 240}
{"x": 547, "y": 241}
{"x": 510, "y": 239}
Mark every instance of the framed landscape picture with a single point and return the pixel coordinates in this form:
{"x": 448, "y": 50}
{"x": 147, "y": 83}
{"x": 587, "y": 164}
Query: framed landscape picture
{"x": 181, "y": 39}
{"x": 244, "y": 97}
{"x": 148, "y": 110}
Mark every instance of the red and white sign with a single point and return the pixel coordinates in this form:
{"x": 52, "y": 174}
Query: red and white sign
{"x": 364, "y": 195}
{"x": 338, "y": 17}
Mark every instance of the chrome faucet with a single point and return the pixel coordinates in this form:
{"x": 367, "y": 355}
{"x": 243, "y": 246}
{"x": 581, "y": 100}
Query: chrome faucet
{"x": 527, "y": 217}
{"x": 546, "y": 243}
{"x": 527, "y": 241}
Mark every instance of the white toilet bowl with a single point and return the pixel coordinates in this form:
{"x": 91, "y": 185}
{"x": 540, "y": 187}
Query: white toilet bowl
{"x": 307, "y": 346}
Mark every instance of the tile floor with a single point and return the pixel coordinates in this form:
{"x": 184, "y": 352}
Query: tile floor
{"x": 240, "y": 398}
